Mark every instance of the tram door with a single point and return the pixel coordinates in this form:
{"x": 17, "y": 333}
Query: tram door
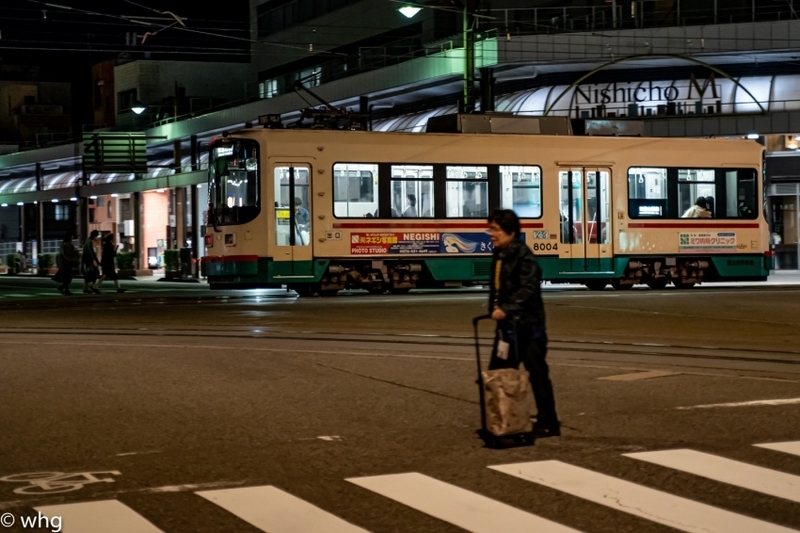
{"x": 292, "y": 220}
{"x": 585, "y": 201}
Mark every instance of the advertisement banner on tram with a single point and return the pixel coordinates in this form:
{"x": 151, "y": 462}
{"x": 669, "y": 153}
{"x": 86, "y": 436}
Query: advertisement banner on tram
{"x": 420, "y": 243}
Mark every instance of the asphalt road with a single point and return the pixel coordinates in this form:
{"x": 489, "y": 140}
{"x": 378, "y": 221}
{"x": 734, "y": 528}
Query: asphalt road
{"x": 177, "y": 410}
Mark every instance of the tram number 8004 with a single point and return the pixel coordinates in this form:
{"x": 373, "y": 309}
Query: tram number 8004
{"x": 544, "y": 246}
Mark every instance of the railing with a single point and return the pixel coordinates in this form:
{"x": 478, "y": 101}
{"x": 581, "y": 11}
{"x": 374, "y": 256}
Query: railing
{"x": 640, "y": 14}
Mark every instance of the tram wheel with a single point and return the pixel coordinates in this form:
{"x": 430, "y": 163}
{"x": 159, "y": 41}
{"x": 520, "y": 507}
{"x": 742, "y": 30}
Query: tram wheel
{"x": 683, "y": 284}
{"x": 326, "y": 293}
{"x": 658, "y": 283}
{"x": 395, "y": 290}
{"x": 596, "y": 284}
{"x": 304, "y": 290}
{"x": 620, "y": 286}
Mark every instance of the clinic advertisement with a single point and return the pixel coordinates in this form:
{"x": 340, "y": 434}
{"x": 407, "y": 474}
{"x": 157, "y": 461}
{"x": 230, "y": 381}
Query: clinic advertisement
{"x": 420, "y": 243}
{"x": 707, "y": 242}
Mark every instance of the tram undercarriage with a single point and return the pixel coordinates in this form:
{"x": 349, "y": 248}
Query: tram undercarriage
{"x": 683, "y": 273}
{"x": 376, "y": 277}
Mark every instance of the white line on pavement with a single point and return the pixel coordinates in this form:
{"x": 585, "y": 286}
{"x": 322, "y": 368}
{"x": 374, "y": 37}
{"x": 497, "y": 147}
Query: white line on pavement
{"x": 718, "y": 468}
{"x": 98, "y": 517}
{"x": 657, "y": 506}
{"x": 786, "y": 447}
{"x": 781, "y": 401}
{"x": 270, "y": 509}
{"x": 455, "y": 505}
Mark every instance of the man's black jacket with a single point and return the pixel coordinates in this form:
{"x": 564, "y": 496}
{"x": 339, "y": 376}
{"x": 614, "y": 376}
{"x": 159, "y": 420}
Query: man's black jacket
{"x": 519, "y": 292}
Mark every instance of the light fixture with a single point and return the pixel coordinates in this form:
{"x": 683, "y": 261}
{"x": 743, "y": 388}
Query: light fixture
{"x": 54, "y": 200}
{"x": 4, "y": 205}
{"x": 752, "y": 136}
{"x": 114, "y": 195}
{"x": 137, "y": 107}
{"x": 73, "y": 199}
{"x": 20, "y": 203}
{"x": 409, "y": 11}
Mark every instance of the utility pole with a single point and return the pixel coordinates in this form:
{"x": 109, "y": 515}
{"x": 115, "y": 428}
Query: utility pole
{"x": 468, "y": 98}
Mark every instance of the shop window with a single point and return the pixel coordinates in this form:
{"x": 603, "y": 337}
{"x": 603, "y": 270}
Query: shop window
{"x": 125, "y": 100}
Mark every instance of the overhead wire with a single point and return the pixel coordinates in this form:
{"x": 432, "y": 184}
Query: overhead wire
{"x": 177, "y": 28}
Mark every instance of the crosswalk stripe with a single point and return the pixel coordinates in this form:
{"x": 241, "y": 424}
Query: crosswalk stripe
{"x": 679, "y": 513}
{"x": 718, "y": 468}
{"x": 460, "y": 507}
{"x": 98, "y": 517}
{"x": 786, "y": 447}
{"x": 270, "y": 509}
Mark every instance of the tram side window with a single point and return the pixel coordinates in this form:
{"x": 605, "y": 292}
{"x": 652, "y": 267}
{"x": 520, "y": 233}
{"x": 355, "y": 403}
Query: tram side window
{"x": 285, "y": 200}
{"x": 355, "y": 190}
{"x": 647, "y": 192}
{"x": 522, "y": 190}
{"x": 670, "y": 192}
{"x": 467, "y": 192}
{"x": 694, "y": 183}
{"x": 412, "y": 191}
{"x": 740, "y": 197}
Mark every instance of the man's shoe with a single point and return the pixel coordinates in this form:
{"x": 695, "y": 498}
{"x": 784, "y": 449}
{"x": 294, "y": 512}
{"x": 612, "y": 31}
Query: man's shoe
{"x": 61, "y": 290}
{"x": 67, "y": 293}
{"x": 96, "y": 291}
{"x": 87, "y": 291}
{"x": 120, "y": 291}
{"x": 542, "y": 432}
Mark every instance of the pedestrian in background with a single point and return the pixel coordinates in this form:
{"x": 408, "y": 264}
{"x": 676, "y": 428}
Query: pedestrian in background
{"x": 66, "y": 260}
{"x": 515, "y": 302}
{"x": 90, "y": 265}
{"x": 107, "y": 263}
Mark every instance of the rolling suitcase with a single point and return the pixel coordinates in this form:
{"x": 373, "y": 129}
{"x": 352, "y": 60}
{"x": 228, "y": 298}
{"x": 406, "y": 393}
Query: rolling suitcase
{"x": 506, "y": 402}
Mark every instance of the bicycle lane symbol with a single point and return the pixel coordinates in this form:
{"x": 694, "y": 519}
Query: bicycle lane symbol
{"x": 39, "y": 483}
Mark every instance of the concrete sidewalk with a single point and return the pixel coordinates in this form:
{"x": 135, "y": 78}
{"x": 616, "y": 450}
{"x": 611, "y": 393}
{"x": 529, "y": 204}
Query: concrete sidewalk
{"x": 784, "y": 277}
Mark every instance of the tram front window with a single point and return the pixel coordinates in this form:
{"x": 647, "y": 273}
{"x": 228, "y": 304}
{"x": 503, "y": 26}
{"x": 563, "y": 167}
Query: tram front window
{"x": 233, "y": 181}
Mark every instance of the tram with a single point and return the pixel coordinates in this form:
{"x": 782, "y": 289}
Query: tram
{"x": 320, "y": 211}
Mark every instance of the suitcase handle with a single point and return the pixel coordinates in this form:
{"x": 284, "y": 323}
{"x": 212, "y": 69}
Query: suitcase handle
{"x": 479, "y": 318}
{"x": 479, "y": 381}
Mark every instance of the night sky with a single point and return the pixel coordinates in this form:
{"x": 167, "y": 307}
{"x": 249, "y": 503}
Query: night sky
{"x": 63, "y": 44}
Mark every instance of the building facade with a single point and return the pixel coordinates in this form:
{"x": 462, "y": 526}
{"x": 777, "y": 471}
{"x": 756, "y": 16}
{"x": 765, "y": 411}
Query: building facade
{"x": 663, "y": 68}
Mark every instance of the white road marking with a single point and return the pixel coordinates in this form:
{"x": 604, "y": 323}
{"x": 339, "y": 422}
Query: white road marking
{"x": 782, "y": 401}
{"x": 728, "y": 471}
{"x": 786, "y": 447}
{"x": 271, "y": 509}
{"x": 673, "y": 511}
{"x": 457, "y": 506}
{"x": 99, "y": 517}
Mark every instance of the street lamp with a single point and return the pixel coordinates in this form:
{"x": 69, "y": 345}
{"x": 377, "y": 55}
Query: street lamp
{"x": 138, "y": 107}
{"x": 409, "y": 11}
{"x": 468, "y": 32}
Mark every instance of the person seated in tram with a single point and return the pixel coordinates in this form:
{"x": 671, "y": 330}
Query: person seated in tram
{"x": 698, "y": 210}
